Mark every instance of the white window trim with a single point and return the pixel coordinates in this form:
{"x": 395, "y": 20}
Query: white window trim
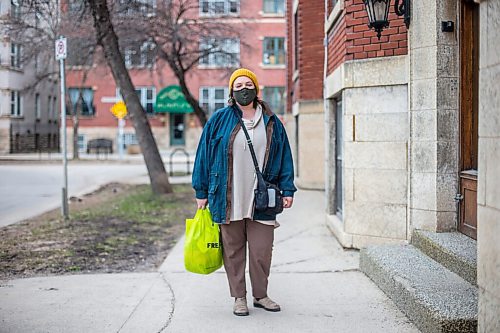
{"x": 38, "y": 111}
{"x": 227, "y": 7}
{"x": 18, "y": 113}
{"x": 17, "y": 55}
{"x": 211, "y": 97}
{"x": 274, "y": 14}
{"x": 143, "y": 98}
{"x": 226, "y": 43}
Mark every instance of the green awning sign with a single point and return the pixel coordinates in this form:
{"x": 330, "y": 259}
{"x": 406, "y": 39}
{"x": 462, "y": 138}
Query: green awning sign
{"x": 172, "y": 100}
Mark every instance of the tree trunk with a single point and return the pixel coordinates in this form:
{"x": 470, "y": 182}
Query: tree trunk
{"x": 76, "y": 154}
{"x": 106, "y": 37}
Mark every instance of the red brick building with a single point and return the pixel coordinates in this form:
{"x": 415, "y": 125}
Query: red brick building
{"x": 263, "y": 51}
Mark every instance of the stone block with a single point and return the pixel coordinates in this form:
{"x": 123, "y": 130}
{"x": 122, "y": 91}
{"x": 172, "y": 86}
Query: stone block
{"x": 481, "y": 177}
{"x": 382, "y": 127}
{"x": 348, "y": 127}
{"x": 348, "y": 183}
{"x": 375, "y": 155}
{"x": 381, "y": 71}
{"x": 492, "y": 172}
{"x": 375, "y": 219}
{"x": 488, "y": 249}
{"x": 423, "y": 31}
{"x": 490, "y": 29}
{"x": 489, "y": 308}
{"x": 447, "y": 60}
{"x": 447, "y": 124}
{"x": 424, "y": 125}
{"x": 424, "y": 95}
{"x": 423, "y": 219}
{"x": 447, "y": 93}
{"x": 311, "y": 150}
{"x": 380, "y": 186}
{"x": 446, "y": 189}
{"x": 423, "y": 63}
{"x": 489, "y": 102}
{"x": 447, "y": 157}
{"x": 423, "y": 191}
{"x": 375, "y": 100}
{"x": 423, "y": 156}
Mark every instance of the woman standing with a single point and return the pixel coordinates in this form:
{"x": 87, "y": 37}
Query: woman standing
{"x": 224, "y": 177}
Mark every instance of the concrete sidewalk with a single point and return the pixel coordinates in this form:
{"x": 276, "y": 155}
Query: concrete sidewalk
{"x": 316, "y": 282}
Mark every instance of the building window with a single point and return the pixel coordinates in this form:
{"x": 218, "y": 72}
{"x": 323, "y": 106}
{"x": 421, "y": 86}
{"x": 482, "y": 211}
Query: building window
{"x": 15, "y": 9}
{"x": 82, "y": 143}
{"x": 49, "y": 107}
{"x": 139, "y": 55}
{"x": 129, "y": 139}
{"x": 275, "y": 96}
{"x": 37, "y": 106}
{"x": 147, "y": 96}
{"x": 84, "y": 107}
{"x": 15, "y": 55}
{"x": 274, "y": 6}
{"x": 274, "y": 51}
{"x": 219, "y": 7}
{"x": 220, "y": 52}
{"x": 213, "y": 98}
{"x": 134, "y": 7}
{"x": 54, "y": 108}
{"x": 15, "y": 104}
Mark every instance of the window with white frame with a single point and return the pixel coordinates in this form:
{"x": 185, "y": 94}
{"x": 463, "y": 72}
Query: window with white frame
{"x": 139, "y": 54}
{"x": 213, "y": 98}
{"x": 274, "y": 6}
{"x": 129, "y": 139}
{"x": 38, "y": 112}
{"x": 275, "y": 97}
{"x": 134, "y": 7}
{"x": 49, "y": 107}
{"x": 54, "y": 108}
{"x": 82, "y": 143}
{"x": 273, "y": 51}
{"x": 16, "y": 108}
{"x": 220, "y": 52}
{"x": 147, "y": 97}
{"x": 219, "y": 7}
{"x": 84, "y": 108}
{"x": 15, "y": 9}
{"x": 15, "y": 55}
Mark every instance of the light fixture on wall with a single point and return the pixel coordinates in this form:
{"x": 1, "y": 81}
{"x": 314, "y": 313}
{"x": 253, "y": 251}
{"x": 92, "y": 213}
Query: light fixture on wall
{"x": 378, "y": 12}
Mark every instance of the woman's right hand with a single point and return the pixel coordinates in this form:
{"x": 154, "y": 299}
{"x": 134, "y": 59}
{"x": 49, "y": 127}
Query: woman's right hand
{"x": 202, "y": 203}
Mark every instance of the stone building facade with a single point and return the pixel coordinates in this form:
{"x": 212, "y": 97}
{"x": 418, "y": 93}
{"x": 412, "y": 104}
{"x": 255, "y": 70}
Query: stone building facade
{"x": 412, "y": 132}
{"x": 28, "y": 105}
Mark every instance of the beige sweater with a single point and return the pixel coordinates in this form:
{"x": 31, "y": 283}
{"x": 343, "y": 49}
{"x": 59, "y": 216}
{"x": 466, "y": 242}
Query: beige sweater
{"x": 244, "y": 177}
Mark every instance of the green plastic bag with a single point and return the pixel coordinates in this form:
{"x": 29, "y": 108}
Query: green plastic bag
{"x": 203, "y": 248}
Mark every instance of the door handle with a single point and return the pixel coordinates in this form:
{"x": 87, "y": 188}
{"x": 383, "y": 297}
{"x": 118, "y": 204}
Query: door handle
{"x": 459, "y": 197}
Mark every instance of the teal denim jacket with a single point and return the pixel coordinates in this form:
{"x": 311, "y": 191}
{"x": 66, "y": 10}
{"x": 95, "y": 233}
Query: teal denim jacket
{"x": 212, "y": 173}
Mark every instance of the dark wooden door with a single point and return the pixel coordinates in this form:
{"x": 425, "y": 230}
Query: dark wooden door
{"x": 469, "y": 83}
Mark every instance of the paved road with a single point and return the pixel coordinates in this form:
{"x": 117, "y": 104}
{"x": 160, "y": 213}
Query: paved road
{"x": 27, "y": 190}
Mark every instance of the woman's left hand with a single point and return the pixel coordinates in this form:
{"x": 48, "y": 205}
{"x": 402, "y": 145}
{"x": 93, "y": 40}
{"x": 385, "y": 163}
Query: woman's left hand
{"x": 287, "y": 202}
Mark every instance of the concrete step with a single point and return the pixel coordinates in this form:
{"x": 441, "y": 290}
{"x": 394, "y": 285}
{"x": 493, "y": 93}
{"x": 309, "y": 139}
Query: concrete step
{"x": 434, "y": 298}
{"x": 453, "y": 250}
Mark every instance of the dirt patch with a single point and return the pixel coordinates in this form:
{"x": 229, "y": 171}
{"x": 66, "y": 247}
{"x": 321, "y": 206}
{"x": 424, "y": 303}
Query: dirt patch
{"x": 118, "y": 228}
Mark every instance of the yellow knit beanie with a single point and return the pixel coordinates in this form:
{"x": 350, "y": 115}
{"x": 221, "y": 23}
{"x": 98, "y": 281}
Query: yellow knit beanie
{"x": 243, "y": 72}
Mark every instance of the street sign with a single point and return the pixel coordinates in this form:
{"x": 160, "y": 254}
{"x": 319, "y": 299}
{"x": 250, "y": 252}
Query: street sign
{"x": 61, "y": 48}
{"x": 119, "y": 110}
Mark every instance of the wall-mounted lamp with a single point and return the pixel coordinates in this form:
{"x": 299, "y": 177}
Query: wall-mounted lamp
{"x": 378, "y": 12}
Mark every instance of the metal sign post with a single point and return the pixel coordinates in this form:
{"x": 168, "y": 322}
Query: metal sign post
{"x": 61, "y": 55}
{"x": 119, "y": 109}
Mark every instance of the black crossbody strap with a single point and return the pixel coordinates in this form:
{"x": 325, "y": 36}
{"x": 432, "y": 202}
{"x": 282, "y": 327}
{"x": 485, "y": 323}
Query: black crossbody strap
{"x": 250, "y": 145}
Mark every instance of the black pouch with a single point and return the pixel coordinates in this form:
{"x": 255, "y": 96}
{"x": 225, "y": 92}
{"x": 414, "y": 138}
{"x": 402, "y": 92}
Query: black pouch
{"x": 268, "y": 198}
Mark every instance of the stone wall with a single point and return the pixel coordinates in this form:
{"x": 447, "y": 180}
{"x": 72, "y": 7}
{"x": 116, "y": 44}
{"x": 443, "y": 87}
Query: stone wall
{"x": 375, "y": 149}
{"x": 488, "y": 197}
{"x": 434, "y": 116}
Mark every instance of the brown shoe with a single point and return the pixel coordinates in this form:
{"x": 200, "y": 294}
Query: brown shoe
{"x": 267, "y": 304}
{"x": 240, "y": 307}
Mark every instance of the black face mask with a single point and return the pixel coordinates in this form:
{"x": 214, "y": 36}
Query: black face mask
{"x": 245, "y": 96}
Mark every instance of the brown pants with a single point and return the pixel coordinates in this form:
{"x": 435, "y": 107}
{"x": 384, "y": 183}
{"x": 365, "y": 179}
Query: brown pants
{"x": 260, "y": 246}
